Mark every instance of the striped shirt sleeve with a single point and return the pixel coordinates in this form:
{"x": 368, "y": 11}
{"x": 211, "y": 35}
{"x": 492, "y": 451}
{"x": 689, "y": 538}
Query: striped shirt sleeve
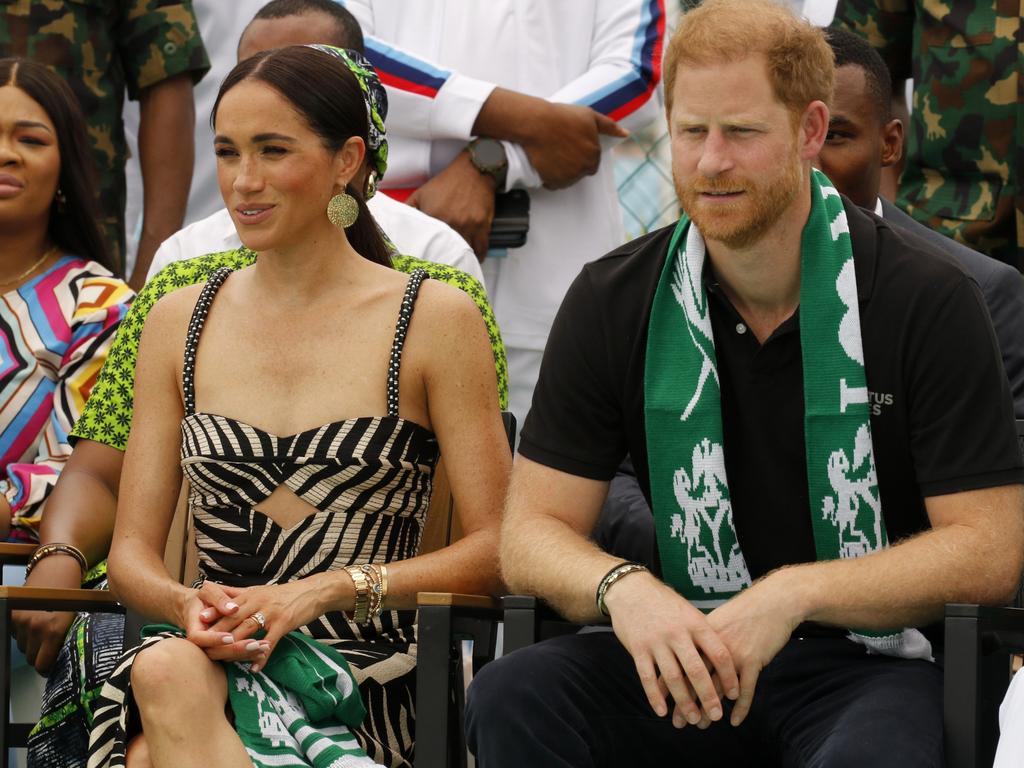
{"x": 625, "y": 69}
{"x": 625, "y": 62}
{"x": 435, "y": 103}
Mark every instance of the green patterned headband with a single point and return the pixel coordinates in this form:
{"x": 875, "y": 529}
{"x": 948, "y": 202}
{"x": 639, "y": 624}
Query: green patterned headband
{"x": 376, "y": 102}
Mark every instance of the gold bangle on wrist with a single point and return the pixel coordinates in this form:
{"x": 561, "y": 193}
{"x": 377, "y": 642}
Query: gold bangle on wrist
{"x": 378, "y": 575}
{"x": 362, "y": 605}
{"x": 383, "y": 585}
{"x": 373, "y": 577}
{"x": 46, "y": 550}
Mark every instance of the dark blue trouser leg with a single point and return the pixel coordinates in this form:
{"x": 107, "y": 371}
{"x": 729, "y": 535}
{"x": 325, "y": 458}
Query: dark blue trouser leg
{"x": 576, "y": 701}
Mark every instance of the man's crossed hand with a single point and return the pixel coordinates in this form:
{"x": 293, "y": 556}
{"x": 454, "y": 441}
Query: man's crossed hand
{"x": 695, "y": 658}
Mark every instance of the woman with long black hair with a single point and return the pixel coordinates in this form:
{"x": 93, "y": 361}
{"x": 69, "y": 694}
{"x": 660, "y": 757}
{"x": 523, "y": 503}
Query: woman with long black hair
{"x": 59, "y": 302}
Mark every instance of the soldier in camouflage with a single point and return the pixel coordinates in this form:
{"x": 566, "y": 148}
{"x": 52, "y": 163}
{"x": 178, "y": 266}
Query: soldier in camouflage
{"x": 966, "y": 139}
{"x": 101, "y": 48}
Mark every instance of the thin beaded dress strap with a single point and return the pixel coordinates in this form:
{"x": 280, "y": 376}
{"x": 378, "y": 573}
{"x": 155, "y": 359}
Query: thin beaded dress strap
{"x": 412, "y": 289}
{"x": 195, "y": 328}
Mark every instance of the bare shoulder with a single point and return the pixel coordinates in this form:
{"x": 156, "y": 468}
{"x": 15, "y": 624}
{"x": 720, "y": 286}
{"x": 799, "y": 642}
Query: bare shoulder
{"x": 167, "y": 322}
{"x": 174, "y": 306}
{"x": 443, "y": 308}
{"x": 448, "y": 334}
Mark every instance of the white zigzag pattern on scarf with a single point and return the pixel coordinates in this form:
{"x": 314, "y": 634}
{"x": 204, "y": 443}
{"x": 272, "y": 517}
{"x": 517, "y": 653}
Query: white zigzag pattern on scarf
{"x": 713, "y": 571}
{"x": 687, "y": 289}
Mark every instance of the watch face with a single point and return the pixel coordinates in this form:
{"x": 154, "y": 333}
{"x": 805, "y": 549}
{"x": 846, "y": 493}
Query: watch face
{"x": 489, "y": 154}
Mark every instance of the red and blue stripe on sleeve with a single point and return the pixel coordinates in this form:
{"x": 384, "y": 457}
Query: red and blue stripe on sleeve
{"x": 406, "y": 73}
{"x": 627, "y": 94}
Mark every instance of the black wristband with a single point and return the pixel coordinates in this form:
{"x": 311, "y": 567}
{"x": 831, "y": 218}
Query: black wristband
{"x": 616, "y": 573}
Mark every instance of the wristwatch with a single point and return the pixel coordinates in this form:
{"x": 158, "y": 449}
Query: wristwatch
{"x": 488, "y": 157}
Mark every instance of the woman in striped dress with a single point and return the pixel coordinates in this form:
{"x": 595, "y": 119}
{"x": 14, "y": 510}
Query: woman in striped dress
{"x": 60, "y": 305}
{"x": 307, "y": 399}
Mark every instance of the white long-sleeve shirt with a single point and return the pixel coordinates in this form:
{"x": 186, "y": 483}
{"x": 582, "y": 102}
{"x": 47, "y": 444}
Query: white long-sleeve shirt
{"x": 440, "y": 60}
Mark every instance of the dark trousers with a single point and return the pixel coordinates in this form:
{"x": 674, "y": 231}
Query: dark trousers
{"x": 576, "y": 701}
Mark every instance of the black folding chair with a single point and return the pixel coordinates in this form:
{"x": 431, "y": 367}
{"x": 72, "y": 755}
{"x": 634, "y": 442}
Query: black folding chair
{"x": 445, "y": 622}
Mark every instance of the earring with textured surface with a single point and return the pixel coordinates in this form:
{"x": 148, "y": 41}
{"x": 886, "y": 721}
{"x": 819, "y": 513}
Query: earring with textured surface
{"x": 343, "y": 210}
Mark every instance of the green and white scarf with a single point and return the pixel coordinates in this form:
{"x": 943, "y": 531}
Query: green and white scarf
{"x": 700, "y": 551}
{"x": 296, "y": 711}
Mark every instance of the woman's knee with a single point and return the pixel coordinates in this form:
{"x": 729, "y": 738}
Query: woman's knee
{"x": 176, "y": 671}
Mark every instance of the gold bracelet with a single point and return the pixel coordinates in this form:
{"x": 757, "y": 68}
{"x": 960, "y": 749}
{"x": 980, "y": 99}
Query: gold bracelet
{"x": 372, "y": 578}
{"x": 383, "y": 588}
{"x": 361, "y": 583}
{"x": 378, "y": 588}
{"x": 57, "y": 549}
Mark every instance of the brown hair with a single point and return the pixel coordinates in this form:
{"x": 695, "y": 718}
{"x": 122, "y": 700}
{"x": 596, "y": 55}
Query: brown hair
{"x": 800, "y": 61}
{"x": 334, "y": 109}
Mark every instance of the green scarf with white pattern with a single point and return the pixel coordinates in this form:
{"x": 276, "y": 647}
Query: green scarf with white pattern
{"x": 700, "y": 551}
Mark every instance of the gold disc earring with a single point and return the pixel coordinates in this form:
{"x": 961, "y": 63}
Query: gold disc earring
{"x": 343, "y": 210}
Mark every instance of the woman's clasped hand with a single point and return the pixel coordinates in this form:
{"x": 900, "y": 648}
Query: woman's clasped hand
{"x": 245, "y": 624}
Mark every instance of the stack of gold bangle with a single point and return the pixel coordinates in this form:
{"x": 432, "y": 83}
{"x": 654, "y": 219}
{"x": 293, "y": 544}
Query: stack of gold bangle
{"x": 378, "y": 575}
{"x": 371, "y": 583}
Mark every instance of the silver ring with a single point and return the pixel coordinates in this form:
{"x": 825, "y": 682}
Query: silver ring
{"x": 260, "y": 619}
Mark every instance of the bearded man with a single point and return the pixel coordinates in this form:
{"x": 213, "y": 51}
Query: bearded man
{"x": 816, "y": 411}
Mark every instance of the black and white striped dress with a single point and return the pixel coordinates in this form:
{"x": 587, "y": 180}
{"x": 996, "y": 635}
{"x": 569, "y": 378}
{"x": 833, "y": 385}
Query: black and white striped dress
{"x": 369, "y": 480}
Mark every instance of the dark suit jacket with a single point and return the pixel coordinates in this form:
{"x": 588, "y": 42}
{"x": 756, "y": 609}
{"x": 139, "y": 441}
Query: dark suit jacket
{"x": 1001, "y": 285}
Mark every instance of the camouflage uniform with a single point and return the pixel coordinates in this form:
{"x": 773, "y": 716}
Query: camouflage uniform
{"x": 966, "y": 150}
{"x": 100, "y": 48}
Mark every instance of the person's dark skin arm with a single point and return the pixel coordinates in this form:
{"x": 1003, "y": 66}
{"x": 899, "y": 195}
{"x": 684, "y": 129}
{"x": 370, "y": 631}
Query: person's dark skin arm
{"x": 562, "y": 142}
{"x": 80, "y": 512}
{"x": 166, "y": 154}
{"x": 461, "y": 197}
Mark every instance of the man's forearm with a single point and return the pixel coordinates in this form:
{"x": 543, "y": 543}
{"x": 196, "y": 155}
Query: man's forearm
{"x": 542, "y": 554}
{"x": 166, "y": 155}
{"x": 908, "y": 584}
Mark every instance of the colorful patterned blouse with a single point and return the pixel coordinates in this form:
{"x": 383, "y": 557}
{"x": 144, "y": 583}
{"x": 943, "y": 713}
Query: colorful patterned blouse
{"x": 107, "y": 417}
{"x": 57, "y": 330}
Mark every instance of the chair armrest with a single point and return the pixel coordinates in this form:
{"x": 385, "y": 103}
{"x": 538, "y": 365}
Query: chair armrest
{"x": 1000, "y": 629}
{"x": 16, "y": 554}
{"x": 455, "y": 600}
{"x": 978, "y": 643}
{"x": 530, "y": 603}
{"x": 45, "y": 599}
{"x": 444, "y": 620}
{"x": 529, "y": 620}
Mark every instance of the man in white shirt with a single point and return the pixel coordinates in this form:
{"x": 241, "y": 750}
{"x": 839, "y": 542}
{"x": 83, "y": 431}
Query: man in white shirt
{"x": 546, "y": 88}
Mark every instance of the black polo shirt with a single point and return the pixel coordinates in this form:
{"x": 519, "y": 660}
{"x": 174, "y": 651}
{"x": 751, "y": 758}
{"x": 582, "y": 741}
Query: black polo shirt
{"x": 942, "y": 419}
